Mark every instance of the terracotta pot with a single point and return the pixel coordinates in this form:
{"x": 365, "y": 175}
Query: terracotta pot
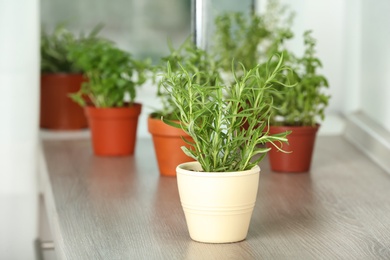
{"x": 301, "y": 145}
{"x": 114, "y": 130}
{"x": 217, "y": 205}
{"x": 58, "y": 111}
{"x": 167, "y": 146}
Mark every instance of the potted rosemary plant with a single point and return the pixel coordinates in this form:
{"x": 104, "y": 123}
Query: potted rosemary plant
{"x": 218, "y": 191}
{"x": 113, "y": 76}
{"x": 299, "y": 109}
{"x": 60, "y": 77}
{"x": 168, "y": 140}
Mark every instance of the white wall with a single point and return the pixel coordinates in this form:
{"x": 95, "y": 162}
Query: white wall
{"x": 352, "y": 73}
{"x": 19, "y": 70}
{"x": 375, "y": 65}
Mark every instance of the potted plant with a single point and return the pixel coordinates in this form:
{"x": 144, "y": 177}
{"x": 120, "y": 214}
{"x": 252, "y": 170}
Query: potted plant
{"x": 299, "y": 109}
{"x": 218, "y": 191}
{"x": 59, "y": 78}
{"x": 167, "y": 139}
{"x": 113, "y": 75}
{"x": 252, "y": 41}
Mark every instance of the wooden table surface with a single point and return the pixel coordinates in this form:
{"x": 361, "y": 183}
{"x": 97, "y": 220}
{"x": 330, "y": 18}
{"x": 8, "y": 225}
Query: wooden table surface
{"x": 120, "y": 208}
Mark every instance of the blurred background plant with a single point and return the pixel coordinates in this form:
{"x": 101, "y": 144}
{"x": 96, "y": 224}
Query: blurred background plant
{"x": 253, "y": 39}
{"x": 55, "y": 48}
{"x": 112, "y": 73}
{"x": 305, "y": 103}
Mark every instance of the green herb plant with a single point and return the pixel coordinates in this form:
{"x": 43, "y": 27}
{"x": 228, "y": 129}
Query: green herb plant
{"x": 250, "y": 39}
{"x": 304, "y": 104}
{"x": 214, "y": 114}
{"x": 113, "y": 74}
{"x": 55, "y": 48}
{"x": 237, "y": 37}
{"x": 278, "y": 19}
{"x": 196, "y": 61}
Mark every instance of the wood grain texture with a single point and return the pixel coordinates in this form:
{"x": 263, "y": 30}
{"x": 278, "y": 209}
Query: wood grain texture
{"x": 120, "y": 208}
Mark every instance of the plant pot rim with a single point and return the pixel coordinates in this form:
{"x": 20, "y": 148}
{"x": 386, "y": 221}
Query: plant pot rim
{"x": 135, "y": 104}
{"x": 132, "y": 111}
{"x": 295, "y": 127}
{"x": 157, "y": 127}
{"x": 296, "y": 130}
{"x": 194, "y": 169}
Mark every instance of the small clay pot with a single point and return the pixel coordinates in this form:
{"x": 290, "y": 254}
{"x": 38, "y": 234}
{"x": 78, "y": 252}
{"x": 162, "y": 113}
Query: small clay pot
{"x": 300, "y": 149}
{"x": 57, "y": 110}
{"x": 167, "y": 142}
{"x": 114, "y": 130}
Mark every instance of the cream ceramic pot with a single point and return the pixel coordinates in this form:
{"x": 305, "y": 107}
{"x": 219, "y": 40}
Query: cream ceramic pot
{"x": 217, "y": 205}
